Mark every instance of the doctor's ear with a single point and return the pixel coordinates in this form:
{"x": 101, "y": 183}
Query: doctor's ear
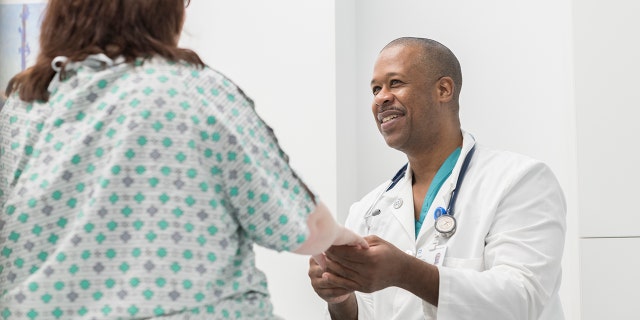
{"x": 446, "y": 88}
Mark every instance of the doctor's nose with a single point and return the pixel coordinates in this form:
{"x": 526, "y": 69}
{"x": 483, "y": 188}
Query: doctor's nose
{"x": 383, "y": 97}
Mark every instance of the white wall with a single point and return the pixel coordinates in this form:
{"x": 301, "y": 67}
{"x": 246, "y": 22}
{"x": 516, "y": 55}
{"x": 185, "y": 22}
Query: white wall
{"x": 347, "y": 106}
{"x": 607, "y": 78}
{"x": 11, "y": 37}
{"x": 517, "y": 91}
{"x": 281, "y": 53}
{"x": 607, "y": 100}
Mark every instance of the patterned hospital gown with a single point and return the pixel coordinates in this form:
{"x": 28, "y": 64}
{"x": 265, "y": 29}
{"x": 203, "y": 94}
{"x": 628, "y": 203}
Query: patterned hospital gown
{"x": 136, "y": 192}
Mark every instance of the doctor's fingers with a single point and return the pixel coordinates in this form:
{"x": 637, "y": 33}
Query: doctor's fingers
{"x": 333, "y": 294}
{"x": 355, "y": 283}
{"x": 315, "y": 269}
{"x": 374, "y": 257}
{"x": 369, "y": 279}
{"x": 320, "y": 260}
{"x": 349, "y": 256}
{"x": 324, "y": 288}
{"x": 358, "y": 254}
{"x": 341, "y": 276}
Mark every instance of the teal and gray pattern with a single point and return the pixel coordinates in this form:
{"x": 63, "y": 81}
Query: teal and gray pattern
{"x": 137, "y": 192}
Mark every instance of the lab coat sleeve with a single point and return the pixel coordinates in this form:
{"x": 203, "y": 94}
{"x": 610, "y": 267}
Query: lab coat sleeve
{"x": 522, "y": 256}
{"x": 365, "y": 306}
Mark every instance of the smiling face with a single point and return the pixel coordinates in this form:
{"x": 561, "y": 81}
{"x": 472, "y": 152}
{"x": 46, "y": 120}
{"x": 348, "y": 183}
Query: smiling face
{"x": 407, "y": 104}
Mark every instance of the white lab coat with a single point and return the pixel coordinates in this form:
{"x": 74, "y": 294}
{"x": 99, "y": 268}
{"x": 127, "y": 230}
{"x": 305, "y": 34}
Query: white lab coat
{"x": 503, "y": 262}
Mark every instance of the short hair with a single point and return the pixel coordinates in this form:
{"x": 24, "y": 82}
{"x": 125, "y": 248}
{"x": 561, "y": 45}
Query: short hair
{"x": 436, "y": 57}
{"x": 77, "y": 29}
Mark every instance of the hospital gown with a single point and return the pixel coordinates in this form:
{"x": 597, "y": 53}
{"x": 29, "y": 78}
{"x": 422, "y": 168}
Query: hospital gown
{"x": 137, "y": 191}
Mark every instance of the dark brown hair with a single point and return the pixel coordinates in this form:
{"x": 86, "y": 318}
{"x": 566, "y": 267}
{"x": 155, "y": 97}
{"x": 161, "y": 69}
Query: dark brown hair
{"x": 79, "y": 28}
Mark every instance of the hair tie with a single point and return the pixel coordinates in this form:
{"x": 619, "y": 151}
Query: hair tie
{"x": 58, "y": 62}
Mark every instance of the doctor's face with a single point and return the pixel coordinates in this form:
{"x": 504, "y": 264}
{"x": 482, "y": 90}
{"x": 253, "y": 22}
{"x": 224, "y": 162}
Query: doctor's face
{"x": 405, "y": 99}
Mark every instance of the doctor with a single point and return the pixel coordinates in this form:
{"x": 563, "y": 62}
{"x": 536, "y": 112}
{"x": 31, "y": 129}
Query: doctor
{"x": 461, "y": 232}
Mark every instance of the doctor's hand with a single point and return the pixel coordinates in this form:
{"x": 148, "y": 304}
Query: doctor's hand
{"x": 381, "y": 266}
{"x": 325, "y": 290}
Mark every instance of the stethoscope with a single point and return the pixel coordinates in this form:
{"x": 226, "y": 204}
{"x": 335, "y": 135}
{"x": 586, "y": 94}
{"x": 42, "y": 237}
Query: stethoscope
{"x": 445, "y": 223}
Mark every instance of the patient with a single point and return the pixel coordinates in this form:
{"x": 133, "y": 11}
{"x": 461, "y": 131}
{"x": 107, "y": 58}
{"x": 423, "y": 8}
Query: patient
{"x": 135, "y": 180}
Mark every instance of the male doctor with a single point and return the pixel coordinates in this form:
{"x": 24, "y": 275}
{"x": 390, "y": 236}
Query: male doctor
{"x": 463, "y": 231}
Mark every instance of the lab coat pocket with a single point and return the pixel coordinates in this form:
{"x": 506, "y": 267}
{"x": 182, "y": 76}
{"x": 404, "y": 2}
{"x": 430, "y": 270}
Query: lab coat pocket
{"x": 476, "y": 264}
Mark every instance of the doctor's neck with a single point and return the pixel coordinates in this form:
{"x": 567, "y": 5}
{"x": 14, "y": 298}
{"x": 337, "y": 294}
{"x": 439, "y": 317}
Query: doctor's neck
{"x": 428, "y": 160}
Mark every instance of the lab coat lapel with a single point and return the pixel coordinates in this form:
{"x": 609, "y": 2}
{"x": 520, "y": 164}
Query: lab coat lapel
{"x": 404, "y": 212}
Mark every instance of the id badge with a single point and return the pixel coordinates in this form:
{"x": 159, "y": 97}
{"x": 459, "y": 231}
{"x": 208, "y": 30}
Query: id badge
{"x": 434, "y": 256}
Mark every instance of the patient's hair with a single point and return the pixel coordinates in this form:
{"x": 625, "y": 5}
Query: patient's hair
{"x": 79, "y": 28}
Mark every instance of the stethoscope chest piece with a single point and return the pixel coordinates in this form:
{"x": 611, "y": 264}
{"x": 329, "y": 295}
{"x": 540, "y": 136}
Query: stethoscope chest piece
{"x": 445, "y": 225}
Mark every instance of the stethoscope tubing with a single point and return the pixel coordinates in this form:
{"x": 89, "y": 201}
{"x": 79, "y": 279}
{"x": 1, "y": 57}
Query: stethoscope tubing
{"x": 401, "y": 173}
{"x": 456, "y": 190}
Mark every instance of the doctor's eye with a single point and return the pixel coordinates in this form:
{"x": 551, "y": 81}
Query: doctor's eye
{"x": 394, "y": 82}
{"x": 375, "y": 90}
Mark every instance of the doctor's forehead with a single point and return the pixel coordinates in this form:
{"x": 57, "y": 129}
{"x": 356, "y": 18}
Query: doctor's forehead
{"x": 399, "y": 56}
{"x": 396, "y": 61}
